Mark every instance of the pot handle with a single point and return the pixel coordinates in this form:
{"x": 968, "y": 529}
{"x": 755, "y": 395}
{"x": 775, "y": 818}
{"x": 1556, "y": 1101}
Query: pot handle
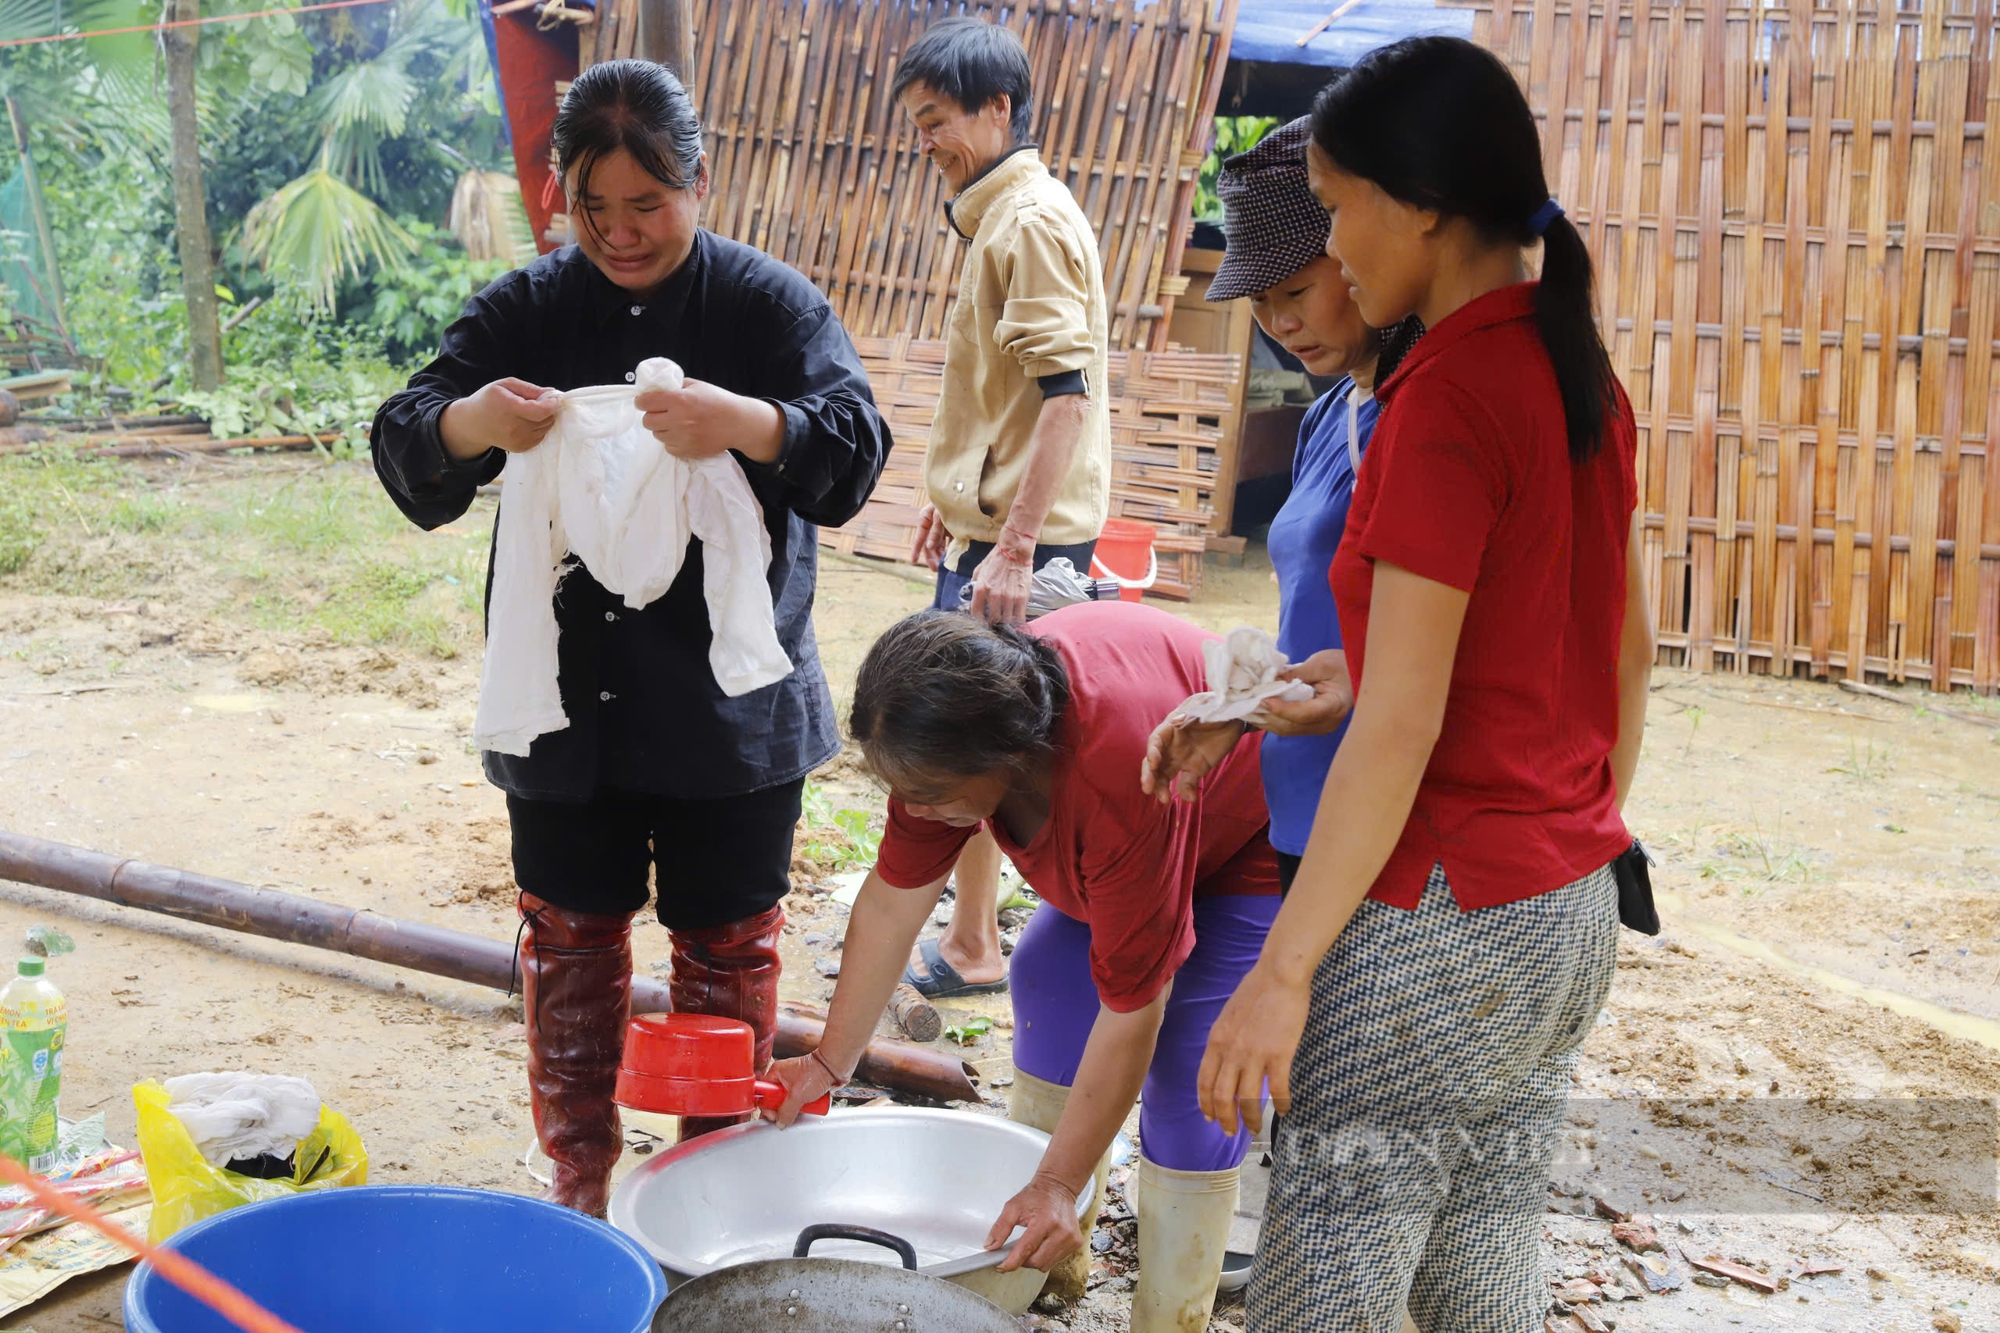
{"x": 839, "y": 1231}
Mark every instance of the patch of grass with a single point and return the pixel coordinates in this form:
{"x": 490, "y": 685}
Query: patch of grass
{"x": 19, "y": 533}
{"x": 1757, "y": 855}
{"x": 48, "y": 489}
{"x": 1867, "y": 765}
{"x": 376, "y": 604}
{"x": 329, "y": 508}
{"x": 286, "y": 544}
{"x": 1695, "y": 713}
{"x": 324, "y": 547}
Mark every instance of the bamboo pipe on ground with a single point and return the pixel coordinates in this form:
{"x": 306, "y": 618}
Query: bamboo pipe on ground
{"x": 411, "y": 944}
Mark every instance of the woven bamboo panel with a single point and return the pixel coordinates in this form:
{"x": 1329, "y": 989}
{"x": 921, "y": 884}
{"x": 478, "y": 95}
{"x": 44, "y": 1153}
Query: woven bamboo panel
{"x": 1167, "y": 417}
{"x": 1795, "y": 212}
{"x": 814, "y": 164}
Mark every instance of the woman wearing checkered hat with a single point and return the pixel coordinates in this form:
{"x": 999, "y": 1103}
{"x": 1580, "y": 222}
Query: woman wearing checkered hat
{"x": 1277, "y": 257}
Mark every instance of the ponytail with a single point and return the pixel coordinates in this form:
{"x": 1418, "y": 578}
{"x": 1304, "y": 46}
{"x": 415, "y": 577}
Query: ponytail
{"x": 1564, "y": 315}
{"x": 1440, "y": 124}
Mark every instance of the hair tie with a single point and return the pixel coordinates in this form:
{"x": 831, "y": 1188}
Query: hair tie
{"x": 1547, "y": 213}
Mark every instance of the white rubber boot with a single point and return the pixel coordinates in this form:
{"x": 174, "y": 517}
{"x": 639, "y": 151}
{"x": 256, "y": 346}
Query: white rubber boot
{"x": 1038, "y": 1104}
{"x": 1183, "y": 1230}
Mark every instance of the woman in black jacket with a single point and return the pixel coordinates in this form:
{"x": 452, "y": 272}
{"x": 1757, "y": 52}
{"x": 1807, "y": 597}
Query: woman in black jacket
{"x": 658, "y": 770}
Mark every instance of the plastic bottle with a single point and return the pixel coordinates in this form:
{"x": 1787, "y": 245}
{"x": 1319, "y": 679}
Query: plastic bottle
{"x": 35, "y": 1019}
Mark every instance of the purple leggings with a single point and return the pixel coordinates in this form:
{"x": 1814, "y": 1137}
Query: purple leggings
{"x": 1055, "y": 1004}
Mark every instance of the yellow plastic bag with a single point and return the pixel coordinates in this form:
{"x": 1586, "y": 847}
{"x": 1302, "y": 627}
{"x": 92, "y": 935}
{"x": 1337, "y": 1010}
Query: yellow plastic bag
{"x": 186, "y": 1188}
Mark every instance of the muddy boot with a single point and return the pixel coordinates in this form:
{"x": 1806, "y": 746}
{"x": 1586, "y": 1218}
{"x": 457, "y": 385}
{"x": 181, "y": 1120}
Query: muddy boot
{"x": 730, "y": 971}
{"x": 576, "y": 986}
{"x": 1038, "y": 1104}
{"x": 1183, "y": 1230}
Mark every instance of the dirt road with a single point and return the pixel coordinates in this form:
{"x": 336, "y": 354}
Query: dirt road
{"x": 1831, "y": 867}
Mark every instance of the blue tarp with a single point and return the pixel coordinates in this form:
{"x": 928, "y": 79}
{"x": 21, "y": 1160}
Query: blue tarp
{"x": 1269, "y": 30}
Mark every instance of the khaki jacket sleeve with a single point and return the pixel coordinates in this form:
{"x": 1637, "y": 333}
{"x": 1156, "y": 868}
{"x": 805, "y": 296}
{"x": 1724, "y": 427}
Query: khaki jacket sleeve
{"x": 1045, "y": 323}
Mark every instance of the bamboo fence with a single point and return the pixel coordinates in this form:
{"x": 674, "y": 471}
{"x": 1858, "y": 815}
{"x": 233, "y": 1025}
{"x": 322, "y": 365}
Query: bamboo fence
{"x": 1171, "y": 414}
{"x": 813, "y": 163}
{"x": 1795, "y": 213}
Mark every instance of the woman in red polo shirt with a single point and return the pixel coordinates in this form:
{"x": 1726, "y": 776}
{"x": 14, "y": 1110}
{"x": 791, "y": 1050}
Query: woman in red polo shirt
{"x": 1150, "y": 914}
{"x": 1451, "y": 932}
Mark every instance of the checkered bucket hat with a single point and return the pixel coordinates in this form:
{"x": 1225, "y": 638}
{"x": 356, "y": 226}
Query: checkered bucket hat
{"x": 1273, "y": 225}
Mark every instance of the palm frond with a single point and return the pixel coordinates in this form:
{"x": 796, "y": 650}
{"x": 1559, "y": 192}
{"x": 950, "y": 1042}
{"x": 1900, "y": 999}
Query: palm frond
{"x": 318, "y": 229}
{"x": 45, "y": 18}
{"x": 375, "y": 95}
{"x": 132, "y": 56}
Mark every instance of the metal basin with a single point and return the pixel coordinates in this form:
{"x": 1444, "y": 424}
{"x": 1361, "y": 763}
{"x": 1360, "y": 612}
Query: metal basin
{"x": 935, "y": 1178}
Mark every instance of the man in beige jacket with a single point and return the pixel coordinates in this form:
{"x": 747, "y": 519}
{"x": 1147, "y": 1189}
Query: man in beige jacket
{"x": 1019, "y": 467}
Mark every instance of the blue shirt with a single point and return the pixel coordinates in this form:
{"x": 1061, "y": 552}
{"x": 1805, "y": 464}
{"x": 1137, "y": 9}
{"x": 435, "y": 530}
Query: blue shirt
{"x": 1303, "y": 538}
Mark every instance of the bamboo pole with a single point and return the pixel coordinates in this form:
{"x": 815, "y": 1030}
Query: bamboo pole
{"x": 365, "y": 934}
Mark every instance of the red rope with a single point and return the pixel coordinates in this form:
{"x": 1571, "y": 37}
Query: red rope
{"x": 187, "y": 23}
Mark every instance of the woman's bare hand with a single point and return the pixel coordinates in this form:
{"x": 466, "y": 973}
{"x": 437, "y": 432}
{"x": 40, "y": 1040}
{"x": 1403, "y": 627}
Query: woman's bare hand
{"x": 1046, "y": 1209}
{"x": 507, "y": 414}
{"x": 1181, "y": 752}
{"x": 804, "y": 1080}
{"x": 1332, "y": 701}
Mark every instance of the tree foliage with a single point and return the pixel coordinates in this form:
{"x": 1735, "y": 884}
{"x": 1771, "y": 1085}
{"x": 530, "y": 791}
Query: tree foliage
{"x": 331, "y": 144}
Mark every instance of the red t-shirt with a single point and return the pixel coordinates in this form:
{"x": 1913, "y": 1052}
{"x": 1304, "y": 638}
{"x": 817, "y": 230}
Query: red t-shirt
{"x": 1468, "y": 483}
{"x": 1110, "y": 855}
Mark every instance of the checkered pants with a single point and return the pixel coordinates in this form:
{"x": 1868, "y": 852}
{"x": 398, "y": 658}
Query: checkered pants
{"x": 1427, "y": 1094}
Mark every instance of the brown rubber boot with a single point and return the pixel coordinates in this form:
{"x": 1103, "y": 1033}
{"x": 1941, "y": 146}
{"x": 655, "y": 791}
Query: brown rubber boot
{"x": 730, "y": 971}
{"x": 576, "y": 988}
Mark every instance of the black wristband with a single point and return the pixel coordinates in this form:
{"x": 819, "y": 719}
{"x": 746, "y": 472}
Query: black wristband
{"x": 1061, "y": 383}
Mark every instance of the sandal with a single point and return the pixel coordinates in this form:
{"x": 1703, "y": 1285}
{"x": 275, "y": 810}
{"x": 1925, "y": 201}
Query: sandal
{"x": 944, "y": 980}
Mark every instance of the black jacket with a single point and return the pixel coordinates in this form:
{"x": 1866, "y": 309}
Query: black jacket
{"x": 645, "y": 712}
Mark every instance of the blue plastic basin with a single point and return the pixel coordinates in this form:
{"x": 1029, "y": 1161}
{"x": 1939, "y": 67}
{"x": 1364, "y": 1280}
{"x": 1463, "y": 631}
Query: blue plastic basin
{"x": 410, "y": 1259}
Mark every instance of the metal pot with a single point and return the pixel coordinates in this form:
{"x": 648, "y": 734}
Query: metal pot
{"x": 938, "y": 1178}
{"x": 830, "y": 1295}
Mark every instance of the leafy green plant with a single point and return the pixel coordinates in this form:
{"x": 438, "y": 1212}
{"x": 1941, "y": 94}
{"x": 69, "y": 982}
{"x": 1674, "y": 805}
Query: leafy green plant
{"x": 410, "y": 306}
{"x": 969, "y": 1031}
{"x": 863, "y": 840}
{"x": 1233, "y": 135}
{"x": 835, "y": 840}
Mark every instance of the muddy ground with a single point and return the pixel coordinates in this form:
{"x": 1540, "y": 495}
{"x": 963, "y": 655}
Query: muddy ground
{"x": 204, "y": 687}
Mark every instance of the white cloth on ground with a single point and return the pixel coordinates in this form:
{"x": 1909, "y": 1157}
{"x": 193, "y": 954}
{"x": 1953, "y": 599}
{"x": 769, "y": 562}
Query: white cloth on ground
{"x": 601, "y": 487}
{"x": 235, "y": 1115}
{"x": 1242, "y": 669}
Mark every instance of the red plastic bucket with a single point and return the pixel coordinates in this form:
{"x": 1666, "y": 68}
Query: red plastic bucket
{"x": 1125, "y": 554}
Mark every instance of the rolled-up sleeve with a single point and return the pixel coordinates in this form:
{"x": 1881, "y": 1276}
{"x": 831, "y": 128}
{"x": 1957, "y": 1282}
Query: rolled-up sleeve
{"x": 836, "y": 442}
{"x": 1045, "y": 323}
{"x": 430, "y": 486}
